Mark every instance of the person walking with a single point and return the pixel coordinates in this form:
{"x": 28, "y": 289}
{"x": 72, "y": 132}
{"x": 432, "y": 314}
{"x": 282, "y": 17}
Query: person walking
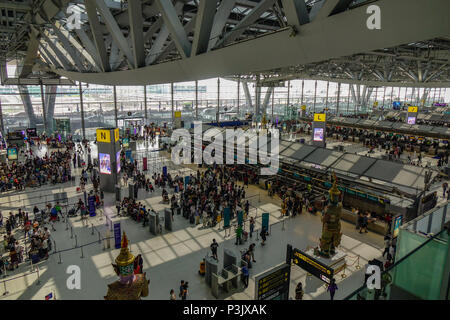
{"x": 252, "y": 226}
{"x": 238, "y": 234}
{"x": 332, "y": 289}
{"x": 173, "y": 296}
{"x": 387, "y": 244}
{"x": 214, "y": 246}
{"x": 251, "y": 250}
{"x": 299, "y": 291}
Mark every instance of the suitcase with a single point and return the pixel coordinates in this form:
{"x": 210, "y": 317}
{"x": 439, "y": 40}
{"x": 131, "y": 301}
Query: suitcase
{"x": 191, "y": 219}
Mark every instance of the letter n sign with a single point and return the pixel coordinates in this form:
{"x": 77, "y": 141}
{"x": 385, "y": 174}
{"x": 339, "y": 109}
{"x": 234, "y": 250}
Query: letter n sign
{"x": 103, "y": 136}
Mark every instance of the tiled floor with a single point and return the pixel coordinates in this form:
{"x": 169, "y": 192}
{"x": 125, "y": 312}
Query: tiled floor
{"x": 175, "y": 256}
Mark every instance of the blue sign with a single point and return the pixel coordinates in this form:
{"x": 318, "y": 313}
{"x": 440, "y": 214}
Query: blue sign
{"x": 165, "y": 171}
{"x": 117, "y": 238}
{"x": 91, "y": 206}
{"x": 128, "y": 154}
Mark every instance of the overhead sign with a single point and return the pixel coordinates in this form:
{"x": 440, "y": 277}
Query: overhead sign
{"x": 273, "y": 284}
{"x": 12, "y": 154}
{"x": 177, "y": 114}
{"x": 313, "y": 266}
{"x": 103, "y": 135}
{"x": 303, "y": 107}
{"x": 116, "y": 135}
{"x": 320, "y": 117}
{"x": 412, "y": 109}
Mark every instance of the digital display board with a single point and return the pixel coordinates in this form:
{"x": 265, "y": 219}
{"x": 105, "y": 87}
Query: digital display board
{"x": 412, "y": 109}
{"x": 12, "y": 154}
{"x": 126, "y": 142}
{"x": 118, "y": 161}
{"x": 105, "y": 163}
{"x": 273, "y": 284}
{"x": 318, "y": 134}
{"x": 31, "y": 132}
{"x": 411, "y": 120}
{"x": 311, "y": 265}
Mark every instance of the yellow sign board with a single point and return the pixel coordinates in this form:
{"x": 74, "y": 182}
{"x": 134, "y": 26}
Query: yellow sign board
{"x": 412, "y": 109}
{"x": 177, "y": 114}
{"x": 103, "y": 135}
{"x": 303, "y": 108}
{"x": 320, "y": 117}
{"x": 116, "y": 135}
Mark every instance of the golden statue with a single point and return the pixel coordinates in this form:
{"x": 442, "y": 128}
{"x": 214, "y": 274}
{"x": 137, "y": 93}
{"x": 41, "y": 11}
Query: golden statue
{"x": 130, "y": 286}
{"x": 331, "y": 223}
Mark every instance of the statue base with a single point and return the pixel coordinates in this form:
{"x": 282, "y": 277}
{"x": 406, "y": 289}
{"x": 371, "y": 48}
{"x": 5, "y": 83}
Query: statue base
{"x": 337, "y": 261}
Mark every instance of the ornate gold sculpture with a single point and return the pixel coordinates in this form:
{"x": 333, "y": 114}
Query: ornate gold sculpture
{"x": 331, "y": 223}
{"x": 130, "y": 286}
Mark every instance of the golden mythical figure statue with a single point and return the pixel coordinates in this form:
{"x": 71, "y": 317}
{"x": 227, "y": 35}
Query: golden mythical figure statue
{"x": 331, "y": 223}
{"x": 130, "y": 286}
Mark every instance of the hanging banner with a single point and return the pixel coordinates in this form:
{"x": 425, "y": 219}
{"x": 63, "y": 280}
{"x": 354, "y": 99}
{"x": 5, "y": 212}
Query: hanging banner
{"x": 265, "y": 220}
{"x": 91, "y": 206}
{"x": 116, "y": 135}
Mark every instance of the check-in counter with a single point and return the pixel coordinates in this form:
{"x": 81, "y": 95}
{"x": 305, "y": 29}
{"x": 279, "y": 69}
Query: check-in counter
{"x": 379, "y": 227}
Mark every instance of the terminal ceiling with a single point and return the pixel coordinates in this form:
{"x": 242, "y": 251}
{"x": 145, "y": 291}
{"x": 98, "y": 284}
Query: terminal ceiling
{"x": 139, "y": 42}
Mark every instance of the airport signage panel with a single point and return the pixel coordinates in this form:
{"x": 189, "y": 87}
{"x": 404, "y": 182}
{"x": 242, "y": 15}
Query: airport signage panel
{"x": 320, "y": 117}
{"x": 116, "y": 135}
{"x": 313, "y": 266}
{"x": 412, "y": 109}
{"x": 273, "y": 284}
{"x": 103, "y": 135}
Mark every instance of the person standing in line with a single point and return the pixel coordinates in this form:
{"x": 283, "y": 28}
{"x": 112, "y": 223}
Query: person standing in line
{"x": 299, "y": 291}
{"x": 251, "y": 250}
{"x": 387, "y": 244}
{"x": 173, "y": 296}
{"x": 263, "y": 235}
{"x": 252, "y": 226}
{"x": 332, "y": 289}
{"x": 245, "y": 275}
{"x": 214, "y": 246}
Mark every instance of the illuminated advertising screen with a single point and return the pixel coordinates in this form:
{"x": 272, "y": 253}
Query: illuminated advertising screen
{"x": 105, "y": 163}
{"x": 118, "y": 162}
{"x": 12, "y": 153}
{"x": 31, "y": 132}
{"x": 318, "y": 134}
{"x": 411, "y": 120}
{"x": 126, "y": 142}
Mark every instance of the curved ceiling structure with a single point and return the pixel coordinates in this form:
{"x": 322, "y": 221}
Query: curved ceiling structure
{"x": 139, "y": 42}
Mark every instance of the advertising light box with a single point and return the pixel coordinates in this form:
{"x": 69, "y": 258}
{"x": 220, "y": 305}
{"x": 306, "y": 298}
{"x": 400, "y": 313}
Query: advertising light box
{"x": 318, "y": 134}
{"x": 105, "y": 163}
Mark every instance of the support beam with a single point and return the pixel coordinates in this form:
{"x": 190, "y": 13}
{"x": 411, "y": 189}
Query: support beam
{"x": 25, "y": 96}
{"x": 248, "y": 20}
{"x": 196, "y": 100}
{"x": 68, "y": 47}
{"x": 83, "y": 127}
{"x": 97, "y": 34}
{"x": 220, "y": 20}
{"x": 248, "y": 97}
{"x": 50, "y": 99}
{"x": 145, "y": 104}
{"x": 114, "y": 30}
{"x": 115, "y": 106}
{"x": 266, "y": 100}
{"x": 28, "y": 62}
{"x": 44, "y": 112}
{"x": 309, "y": 46}
{"x": 172, "y": 103}
{"x": 90, "y": 48}
{"x": 330, "y": 7}
{"x": 203, "y": 26}
{"x": 296, "y": 12}
{"x": 137, "y": 32}
{"x": 58, "y": 54}
{"x": 90, "y": 57}
{"x": 175, "y": 27}
{"x": 238, "y": 95}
